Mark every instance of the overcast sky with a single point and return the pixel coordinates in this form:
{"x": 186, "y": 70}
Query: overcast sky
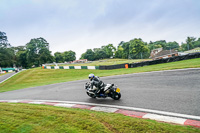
{"x": 79, "y": 25}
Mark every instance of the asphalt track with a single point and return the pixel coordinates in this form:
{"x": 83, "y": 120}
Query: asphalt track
{"x": 172, "y": 91}
{"x": 4, "y": 77}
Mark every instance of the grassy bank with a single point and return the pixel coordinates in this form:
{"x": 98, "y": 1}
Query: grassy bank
{"x": 21, "y": 118}
{"x": 109, "y": 62}
{"x": 39, "y": 76}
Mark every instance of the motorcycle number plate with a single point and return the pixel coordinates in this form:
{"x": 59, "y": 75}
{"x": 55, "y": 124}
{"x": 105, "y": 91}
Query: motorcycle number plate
{"x": 118, "y": 90}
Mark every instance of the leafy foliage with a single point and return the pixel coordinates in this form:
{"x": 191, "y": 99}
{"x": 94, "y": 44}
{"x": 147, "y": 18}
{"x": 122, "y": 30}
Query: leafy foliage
{"x": 109, "y": 50}
{"x": 99, "y": 53}
{"x": 137, "y": 48}
{"x": 58, "y": 57}
{"x": 172, "y": 45}
{"x": 3, "y": 40}
{"x": 34, "y": 53}
{"x": 191, "y": 43}
{"x": 89, "y": 54}
{"x": 69, "y": 56}
{"x": 6, "y": 52}
{"x": 37, "y": 51}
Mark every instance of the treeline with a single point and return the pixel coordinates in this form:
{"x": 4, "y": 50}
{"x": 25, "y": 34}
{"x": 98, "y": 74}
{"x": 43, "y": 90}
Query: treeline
{"x": 137, "y": 49}
{"x": 33, "y": 54}
{"x": 36, "y": 52}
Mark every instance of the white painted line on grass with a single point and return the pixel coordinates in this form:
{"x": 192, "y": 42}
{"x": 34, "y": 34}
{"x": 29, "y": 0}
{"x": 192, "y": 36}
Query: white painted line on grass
{"x": 104, "y": 109}
{"x": 65, "y": 105}
{"x": 13, "y": 101}
{"x": 165, "y": 118}
{"x": 36, "y": 102}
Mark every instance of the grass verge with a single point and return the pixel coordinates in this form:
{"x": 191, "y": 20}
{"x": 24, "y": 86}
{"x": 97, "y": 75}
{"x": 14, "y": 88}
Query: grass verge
{"x": 108, "y": 62}
{"x": 21, "y": 118}
{"x": 38, "y": 76}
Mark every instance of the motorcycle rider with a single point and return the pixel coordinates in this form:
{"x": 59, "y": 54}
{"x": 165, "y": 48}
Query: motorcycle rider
{"x": 95, "y": 81}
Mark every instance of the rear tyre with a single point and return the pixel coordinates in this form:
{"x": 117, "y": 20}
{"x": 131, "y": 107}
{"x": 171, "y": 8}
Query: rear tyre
{"x": 116, "y": 96}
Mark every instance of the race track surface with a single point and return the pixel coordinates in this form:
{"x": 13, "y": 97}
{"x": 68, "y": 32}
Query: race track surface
{"x": 2, "y": 78}
{"x": 171, "y": 91}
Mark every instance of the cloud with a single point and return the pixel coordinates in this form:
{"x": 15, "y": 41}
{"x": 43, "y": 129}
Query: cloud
{"x": 82, "y": 24}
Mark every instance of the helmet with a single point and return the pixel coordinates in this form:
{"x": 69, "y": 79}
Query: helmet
{"x": 91, "y": 76}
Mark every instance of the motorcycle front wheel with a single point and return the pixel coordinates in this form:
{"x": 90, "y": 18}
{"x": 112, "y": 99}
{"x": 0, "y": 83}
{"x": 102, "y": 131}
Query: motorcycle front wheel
{"x": 116, "y": 96}
{"x": 91, "y": 95}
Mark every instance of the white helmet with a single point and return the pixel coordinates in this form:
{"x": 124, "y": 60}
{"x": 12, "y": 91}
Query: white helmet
{"x": 91, "y": 76}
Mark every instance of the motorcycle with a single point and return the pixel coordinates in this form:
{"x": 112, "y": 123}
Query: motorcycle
{"x": 109, "y": 90}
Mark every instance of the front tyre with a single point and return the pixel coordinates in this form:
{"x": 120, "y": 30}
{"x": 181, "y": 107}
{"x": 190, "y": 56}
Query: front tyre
{"x": 116, "y": 96}
{"x": 91, "y": 95}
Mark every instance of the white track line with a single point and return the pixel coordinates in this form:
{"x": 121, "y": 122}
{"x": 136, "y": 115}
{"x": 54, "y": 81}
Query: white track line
{"x": 116, "y": 106}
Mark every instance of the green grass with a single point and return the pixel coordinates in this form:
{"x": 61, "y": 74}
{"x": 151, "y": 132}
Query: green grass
{"x": 107, "y": 62}
{"x": 193, "y": 50}
{"x": 38, "y": 76}
{"x": 25, "y": 118}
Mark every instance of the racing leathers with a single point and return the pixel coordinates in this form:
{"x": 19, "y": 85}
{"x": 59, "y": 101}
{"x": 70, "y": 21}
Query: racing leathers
{"x": 97, "y": 83}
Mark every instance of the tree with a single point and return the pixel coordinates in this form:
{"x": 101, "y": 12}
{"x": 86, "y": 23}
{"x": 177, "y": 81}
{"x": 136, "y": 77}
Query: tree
{"x": 20, "y": 56}
{"x": 109, "y": 50}
{"x": 6, "y": 52}
{"x": 152, "y": 45}
{"x": 37, "y": 51}
{"x": 126, "y": 49}
{"x": 6, "y": 57}
{"x": 21, "y": 59}
{"x": 99, "y": 53}
{"x": 190, "y": 42}
{"x": 183, "y": 47}
{"x": 119, "y": 52}
{"x": 172, "y": 45}
{"x": 3, "y": 40}
{"x": 45, "y": 56}
{"x": 69, "y": 56}
{"x": 138, "y": 49}
{"x": 59, "y": 57}
{"x": 157, "y": 44}
{"x": 89, "y": 54}
{"x": 197, "y": 43}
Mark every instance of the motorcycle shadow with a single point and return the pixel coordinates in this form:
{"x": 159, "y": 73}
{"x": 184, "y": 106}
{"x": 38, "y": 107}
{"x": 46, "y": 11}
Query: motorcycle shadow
{"x": 104, "y": 101}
